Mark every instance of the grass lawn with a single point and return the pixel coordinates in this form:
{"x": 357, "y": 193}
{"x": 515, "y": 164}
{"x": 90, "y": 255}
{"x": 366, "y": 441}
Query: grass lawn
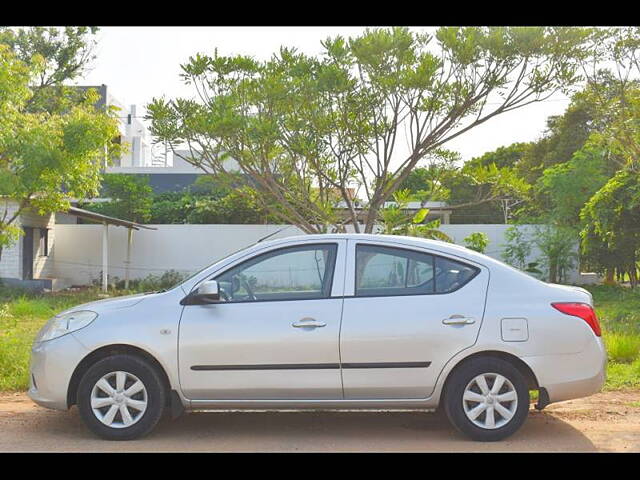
{"x": 22, "y": 315}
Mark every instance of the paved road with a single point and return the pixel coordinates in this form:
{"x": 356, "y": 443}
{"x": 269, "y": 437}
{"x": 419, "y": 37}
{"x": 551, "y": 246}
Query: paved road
{"x": 603, "y": 423}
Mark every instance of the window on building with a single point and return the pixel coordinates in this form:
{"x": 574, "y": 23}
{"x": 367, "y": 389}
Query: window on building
{"x": 43, "y": 248}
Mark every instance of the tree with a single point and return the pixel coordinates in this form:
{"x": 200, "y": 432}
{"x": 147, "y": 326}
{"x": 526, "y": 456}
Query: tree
{"x": 557, "y": 244}
{"x": 130, "y": 197}
{"x": 499, "y": 209}
{"x": 396, "y": 220}
{"x": 571, "y": 184}
{"x": 611, "y": 217}
{"x": 620, "y": 111}
{"x": 56, "y": 55}
{"x": 427, "y": 183}
{"x": 565, "y": 134}
{"x": 509, "y": 156}
{"x": 233, "y": 208}
{"x": 46, "y": 157}
{"x": 560, "y": 164}
{"x": 309, "y": 131}
{"x": 208, "y": 202}
{"x": 477, "y": 192}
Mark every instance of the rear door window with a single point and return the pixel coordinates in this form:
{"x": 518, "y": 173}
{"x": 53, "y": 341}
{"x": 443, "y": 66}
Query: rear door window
{"x": 394, "y": 271}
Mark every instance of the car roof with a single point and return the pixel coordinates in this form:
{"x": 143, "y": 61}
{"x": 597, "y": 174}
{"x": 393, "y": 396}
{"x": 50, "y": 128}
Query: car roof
{"x": 444, "y": 247}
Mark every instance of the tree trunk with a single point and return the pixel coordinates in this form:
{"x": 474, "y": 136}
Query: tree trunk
{"x": 609, "y": 277}
{"x": 553, "y": 271}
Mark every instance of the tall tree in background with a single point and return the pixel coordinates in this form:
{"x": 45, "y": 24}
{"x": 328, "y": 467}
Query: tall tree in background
{"x": 611, "y": 232}
{"x": 54, "y": 55}
{"x": 310, "y": 131}
{"x": 612, "y": 215}
{"x": 620, "y": 112}
{"x": 49, "y": 150}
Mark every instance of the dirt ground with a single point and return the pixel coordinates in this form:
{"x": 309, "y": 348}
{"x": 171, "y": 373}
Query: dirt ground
{"x": 606, "y": 422}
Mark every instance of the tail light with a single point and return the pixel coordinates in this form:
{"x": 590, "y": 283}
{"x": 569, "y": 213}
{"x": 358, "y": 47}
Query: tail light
{"x": 582, "y": 310}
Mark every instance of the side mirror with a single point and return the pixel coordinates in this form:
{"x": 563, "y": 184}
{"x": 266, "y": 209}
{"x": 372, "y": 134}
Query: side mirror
{"x": 207, "y": 292}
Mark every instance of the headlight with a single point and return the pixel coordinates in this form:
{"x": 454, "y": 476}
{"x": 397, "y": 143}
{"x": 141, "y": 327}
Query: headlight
{"x": 65, "y": 323}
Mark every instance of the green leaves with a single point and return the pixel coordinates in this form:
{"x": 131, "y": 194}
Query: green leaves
{"x": 130, "y": 197}
{"x": 477, "y": 241}
{"x": 395, "y": 219}
{"x": 420, "y": 216}
{"x": 310, "y": 131}
{"x": 47, "y": 155}
{"x": 570, "y": 185}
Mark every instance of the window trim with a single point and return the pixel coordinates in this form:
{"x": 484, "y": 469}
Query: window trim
{"x": 331, "y": 266}
{"x": 476, "y": 269}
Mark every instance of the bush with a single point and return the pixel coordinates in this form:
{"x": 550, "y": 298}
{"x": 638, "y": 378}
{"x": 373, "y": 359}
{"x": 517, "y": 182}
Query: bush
{"x": 622, "y": 347}
{"x": 153, "y": 283}
{"x": 477, "y": 241}
{"x": 559, "y": 252}
{"x": 517, "y": 248}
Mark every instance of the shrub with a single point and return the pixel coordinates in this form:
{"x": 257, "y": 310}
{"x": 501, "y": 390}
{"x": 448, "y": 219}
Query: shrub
{"x": 152, "y": 283}
{"x": 558, "y": 246}
{"x": 517, "y": 248}
{"x": 477, "y": 241}
{"x": 622, "y": 347}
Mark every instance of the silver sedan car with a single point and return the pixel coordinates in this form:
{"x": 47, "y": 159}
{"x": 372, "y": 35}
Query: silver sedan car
{"x": 344, "y": 321}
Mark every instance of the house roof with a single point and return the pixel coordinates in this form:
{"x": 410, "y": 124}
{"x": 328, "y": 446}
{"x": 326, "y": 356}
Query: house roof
{"x": 97, "y": 217}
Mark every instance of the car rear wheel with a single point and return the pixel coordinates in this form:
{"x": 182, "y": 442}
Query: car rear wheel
{"x": 487, "y": 399}
{"x": 121, "y": 397}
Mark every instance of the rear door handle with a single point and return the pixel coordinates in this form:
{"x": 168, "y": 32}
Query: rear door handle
{"x": 458, "y": 320}
{"x": 308, "y": 322}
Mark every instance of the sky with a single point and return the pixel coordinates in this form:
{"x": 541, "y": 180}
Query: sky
{"x": 139, "y": 63}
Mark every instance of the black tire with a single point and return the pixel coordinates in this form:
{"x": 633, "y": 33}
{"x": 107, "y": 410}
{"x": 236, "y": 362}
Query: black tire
{"x": 456, "y": 385}
{"x": 155, "y": 396}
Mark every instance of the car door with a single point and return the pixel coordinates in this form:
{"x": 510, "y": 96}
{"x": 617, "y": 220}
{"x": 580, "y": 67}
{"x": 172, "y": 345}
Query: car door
{"x": 406, "y": 313}
{"x": 274, "y": 333}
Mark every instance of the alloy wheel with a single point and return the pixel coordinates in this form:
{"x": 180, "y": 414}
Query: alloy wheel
{"x": 119, "y": 399}
{"x": 490, "y": 400}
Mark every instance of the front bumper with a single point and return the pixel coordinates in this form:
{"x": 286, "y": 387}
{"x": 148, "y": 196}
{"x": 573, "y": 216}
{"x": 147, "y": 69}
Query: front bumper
{"x": 52, "y": 365}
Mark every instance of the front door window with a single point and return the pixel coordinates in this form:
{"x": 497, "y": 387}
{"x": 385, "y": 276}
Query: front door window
{"x": 296, "y": 273}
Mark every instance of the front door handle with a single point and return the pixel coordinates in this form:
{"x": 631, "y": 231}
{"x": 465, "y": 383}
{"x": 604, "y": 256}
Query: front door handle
{"x": 308, "y": 322}
{"x": 458, "y": 320}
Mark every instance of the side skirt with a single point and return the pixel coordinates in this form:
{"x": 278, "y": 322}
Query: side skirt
{"x": 395, "y": 404}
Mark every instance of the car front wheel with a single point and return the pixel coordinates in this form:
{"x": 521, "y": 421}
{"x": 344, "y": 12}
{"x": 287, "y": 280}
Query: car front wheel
{"x": 121, "y": 397}
{"x": 487, "y": 399}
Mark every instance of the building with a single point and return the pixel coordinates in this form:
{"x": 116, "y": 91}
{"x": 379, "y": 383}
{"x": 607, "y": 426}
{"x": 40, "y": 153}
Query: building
{"x": 170, "y": 172}
{"x": 437, "y": 210}
{"x": 28, "y": 262}
{"x": 31, "y": 262}
{"x": 133, "y": 131}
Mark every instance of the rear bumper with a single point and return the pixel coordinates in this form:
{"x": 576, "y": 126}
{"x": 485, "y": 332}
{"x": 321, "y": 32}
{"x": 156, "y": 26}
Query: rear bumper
{"x": 566, "y": 377}
{"x": 52, "y": 364}
{"x": 576, "y": 389}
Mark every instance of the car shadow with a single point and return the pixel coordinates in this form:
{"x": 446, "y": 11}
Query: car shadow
{"x": 43, "y": 430}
